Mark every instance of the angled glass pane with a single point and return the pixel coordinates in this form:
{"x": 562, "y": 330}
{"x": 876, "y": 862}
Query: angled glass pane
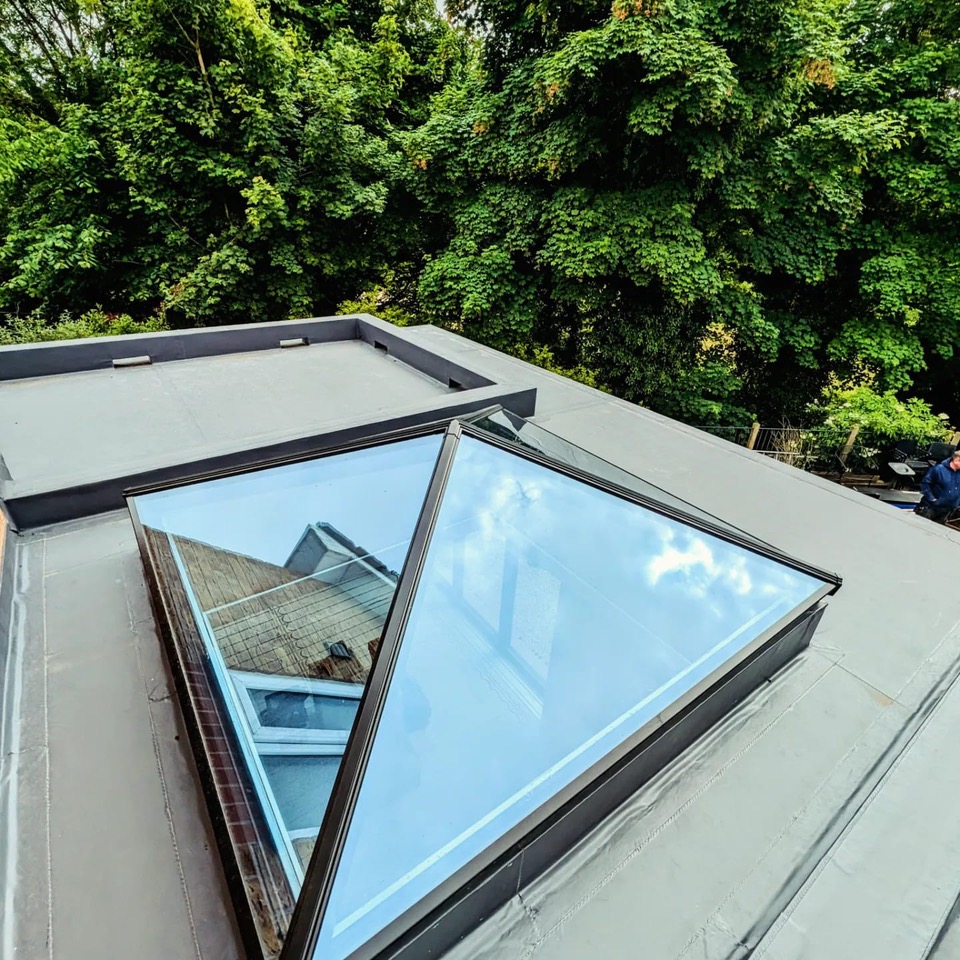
{"x": 552, "y": 621}
{"x": 288, "y": 573}
{"x": 508, "y": 426}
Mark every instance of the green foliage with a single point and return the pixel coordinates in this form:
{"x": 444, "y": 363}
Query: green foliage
{"x": 706, "y": 395}
{"x": 590, "y": 224}
{"x": 543, "y": 357}
{"x": 35, "y": 328}
{"x": 707, "y": 206}
{"x": 378, "y": 302}
{"x": 883, "y": 418}
{"x": 214, "y": 161}
{"x": 616, "y": 181}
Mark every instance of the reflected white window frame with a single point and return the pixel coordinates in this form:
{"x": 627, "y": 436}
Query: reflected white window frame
{"x": 238, "y": 719}
{"x": 292, "y": 741}
{"x": 244, "y": 681}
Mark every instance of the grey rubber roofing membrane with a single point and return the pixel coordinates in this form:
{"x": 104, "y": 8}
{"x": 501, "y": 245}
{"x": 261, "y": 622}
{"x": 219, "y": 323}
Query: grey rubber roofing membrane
{"x": 818, "y": 820}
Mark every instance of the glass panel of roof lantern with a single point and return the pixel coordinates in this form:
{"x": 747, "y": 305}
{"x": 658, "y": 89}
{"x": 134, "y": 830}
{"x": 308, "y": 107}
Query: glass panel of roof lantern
{"x": 289, "y": 573}
{"x": 508, "y": 426}
{"x": 551, "y": 622}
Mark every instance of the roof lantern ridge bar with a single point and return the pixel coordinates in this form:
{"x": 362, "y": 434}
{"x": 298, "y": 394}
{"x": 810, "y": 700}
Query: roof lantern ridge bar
{"x": 320, "y": 451}
{"x": 302, "y": 935}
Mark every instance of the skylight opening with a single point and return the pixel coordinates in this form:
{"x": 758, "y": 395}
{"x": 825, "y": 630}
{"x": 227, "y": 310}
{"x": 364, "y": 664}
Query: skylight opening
{"x": 400, "y": 659}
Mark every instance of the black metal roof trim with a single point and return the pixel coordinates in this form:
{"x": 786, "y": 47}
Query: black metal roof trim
{"x": 23, "y": 361}
{"x": 71, "y": 503}
{"x": 72, "y": 356}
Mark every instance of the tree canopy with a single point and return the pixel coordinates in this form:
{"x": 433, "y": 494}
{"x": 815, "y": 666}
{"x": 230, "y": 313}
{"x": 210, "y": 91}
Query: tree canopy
{"x": 713, "y": 207}
{"x": 214, "y": 161}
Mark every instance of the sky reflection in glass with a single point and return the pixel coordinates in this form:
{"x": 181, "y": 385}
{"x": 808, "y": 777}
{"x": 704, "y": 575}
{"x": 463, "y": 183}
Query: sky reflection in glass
{"x": 508, "y": 426}
{"x": 552, "y": 621}
{"x": 373, "y": 496}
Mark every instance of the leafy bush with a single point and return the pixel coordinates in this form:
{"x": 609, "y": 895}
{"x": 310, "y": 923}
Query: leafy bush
{"x": 883, "y": 418}
{"x": 379, "y": 302}
{"x": 35, "y": 328}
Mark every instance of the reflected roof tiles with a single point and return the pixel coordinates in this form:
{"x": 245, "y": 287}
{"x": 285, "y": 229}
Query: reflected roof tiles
{"x": 265, "y": 616}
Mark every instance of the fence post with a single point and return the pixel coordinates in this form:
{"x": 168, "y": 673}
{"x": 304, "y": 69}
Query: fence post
{"x": 848, "y": 446}
{"x": 754, "y": 433}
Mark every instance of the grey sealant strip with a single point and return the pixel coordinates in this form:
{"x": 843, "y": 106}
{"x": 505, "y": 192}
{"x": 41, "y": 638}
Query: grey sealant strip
{"x": 836, "y": 827}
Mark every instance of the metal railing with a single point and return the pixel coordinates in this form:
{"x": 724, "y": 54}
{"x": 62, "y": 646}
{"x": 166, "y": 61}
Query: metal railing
{"x": 809, "y": 448}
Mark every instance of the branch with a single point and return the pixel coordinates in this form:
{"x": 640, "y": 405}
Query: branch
{"x": 195, "y": 44}
{"x": 186, "y": 232}
{"x": 34, "y": 28}
{"x": 30, "y": 94}
{"x": 52, "y": 9}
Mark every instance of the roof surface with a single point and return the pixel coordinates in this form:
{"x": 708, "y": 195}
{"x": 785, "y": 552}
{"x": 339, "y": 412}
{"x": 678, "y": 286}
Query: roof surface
{"x": 150, "y": 416}
{"x": 818, "y": 820}
{"x": 107, "y": 849}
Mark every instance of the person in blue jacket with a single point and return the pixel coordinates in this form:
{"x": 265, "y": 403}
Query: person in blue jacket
{"x": 941, "y": 490}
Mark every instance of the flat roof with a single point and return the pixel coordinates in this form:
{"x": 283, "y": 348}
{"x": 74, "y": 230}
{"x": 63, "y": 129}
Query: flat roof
{"x": 112, "y": 853}
{"x": 79, "y": 425}
{"x": 61, "y": 431}
{"x": 817, "y": 820}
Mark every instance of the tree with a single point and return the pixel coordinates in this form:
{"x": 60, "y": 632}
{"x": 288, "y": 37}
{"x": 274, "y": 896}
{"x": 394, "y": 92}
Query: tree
{"x": 888, "y": 135}
{"x": 222, "y": 162}
{"x": 702, "y": 201}
{"x": 708, "y": 206}
{"x": 35, "y": 328}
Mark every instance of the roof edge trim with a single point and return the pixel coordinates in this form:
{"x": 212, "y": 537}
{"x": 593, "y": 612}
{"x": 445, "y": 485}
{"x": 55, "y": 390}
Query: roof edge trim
{"x": 71, "y": 503}
{"x": 31, "y": 360}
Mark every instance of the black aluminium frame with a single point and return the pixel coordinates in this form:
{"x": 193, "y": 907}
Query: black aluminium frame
{"x": 510, "y": 863}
